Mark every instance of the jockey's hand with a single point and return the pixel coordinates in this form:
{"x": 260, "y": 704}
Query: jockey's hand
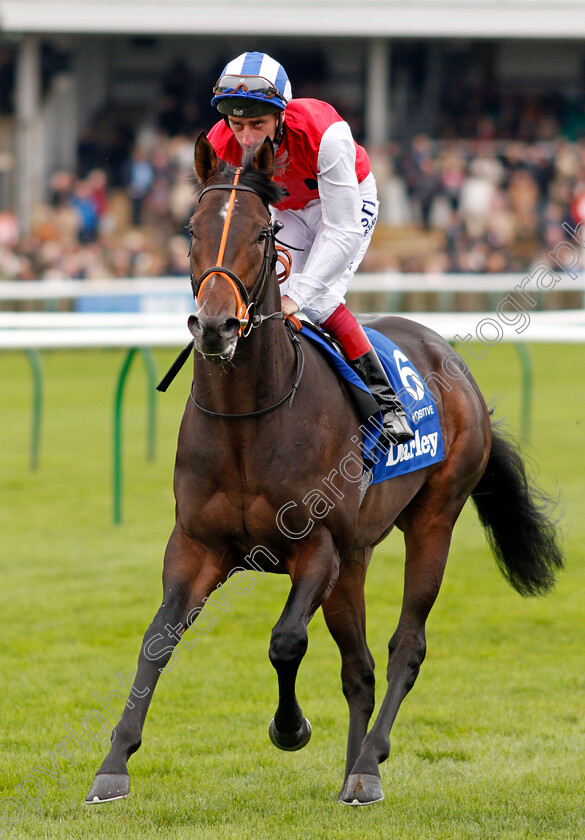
{"x": 288, "y": 305}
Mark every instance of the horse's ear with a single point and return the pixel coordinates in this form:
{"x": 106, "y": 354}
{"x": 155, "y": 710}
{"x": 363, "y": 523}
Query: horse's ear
{"x": 205, "y": 159}
{"x": 264, "y": 159}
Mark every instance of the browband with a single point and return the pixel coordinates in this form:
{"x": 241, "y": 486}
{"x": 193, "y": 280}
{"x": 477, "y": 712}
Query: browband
{"x": 232, "y": 187}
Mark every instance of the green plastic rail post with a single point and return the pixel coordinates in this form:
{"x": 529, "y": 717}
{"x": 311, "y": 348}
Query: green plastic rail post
{"x": 37, "y": 407}
{"x": 527, "y": 379}
{"x": 151, "y": 379}
{"x": 151, "y": 421}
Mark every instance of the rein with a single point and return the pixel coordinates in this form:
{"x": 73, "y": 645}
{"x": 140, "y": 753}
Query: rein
{"x": 300, "y": 365}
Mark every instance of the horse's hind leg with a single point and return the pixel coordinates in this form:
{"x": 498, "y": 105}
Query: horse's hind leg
{"x": 188, "y": 580}
{"x": 315, "y": 572}
{"x": 427, "y": 531}
{"x": 345, "y": 615}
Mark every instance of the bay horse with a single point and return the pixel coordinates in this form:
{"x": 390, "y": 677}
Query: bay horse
{"x": 267, "y": 421}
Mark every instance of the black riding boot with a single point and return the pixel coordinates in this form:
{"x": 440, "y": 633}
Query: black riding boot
{"x": 396, "y": 427}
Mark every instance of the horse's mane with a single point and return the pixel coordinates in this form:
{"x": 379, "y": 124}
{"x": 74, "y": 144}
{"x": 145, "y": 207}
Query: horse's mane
{"x": 259, "y": 180}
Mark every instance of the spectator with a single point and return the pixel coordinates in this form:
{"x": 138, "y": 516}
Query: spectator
{"x": 84, "y": 203}
{"x": 140, "y": 178}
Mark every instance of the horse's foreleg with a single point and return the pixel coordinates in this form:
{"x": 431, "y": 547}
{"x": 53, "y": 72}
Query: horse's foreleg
{"x": 187, "y": 581}
{"x": 427, "y": 545}
{"x": 314, "y": 574}
{"x": 345, "y": 615}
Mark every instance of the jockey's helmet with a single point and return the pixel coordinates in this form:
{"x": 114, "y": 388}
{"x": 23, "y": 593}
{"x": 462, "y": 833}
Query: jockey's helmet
{"x": 251, "y": 85}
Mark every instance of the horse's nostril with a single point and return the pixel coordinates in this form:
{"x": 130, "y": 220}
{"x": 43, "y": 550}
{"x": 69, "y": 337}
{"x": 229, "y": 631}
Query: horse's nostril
{"x": 230, "y": 327}
{"x": 193, "y": 325}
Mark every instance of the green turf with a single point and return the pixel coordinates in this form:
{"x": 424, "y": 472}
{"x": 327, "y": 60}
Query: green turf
{"x": 489, "y": 744}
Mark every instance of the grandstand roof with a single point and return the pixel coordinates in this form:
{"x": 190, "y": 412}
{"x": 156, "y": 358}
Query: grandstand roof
{"x": 357, "y": 18}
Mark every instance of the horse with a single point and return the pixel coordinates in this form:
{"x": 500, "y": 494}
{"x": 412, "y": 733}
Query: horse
{"x": 266, "y": 422}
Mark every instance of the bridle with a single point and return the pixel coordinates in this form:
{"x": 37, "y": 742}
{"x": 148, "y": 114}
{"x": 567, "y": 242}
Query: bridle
{"x": 246, "y": 300}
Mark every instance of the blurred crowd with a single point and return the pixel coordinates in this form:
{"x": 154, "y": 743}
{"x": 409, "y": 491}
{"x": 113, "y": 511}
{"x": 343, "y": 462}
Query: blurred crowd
{"x": 98, "y": 226}
{"x": 481, "y": 205}
{"x": 492, "y": 205}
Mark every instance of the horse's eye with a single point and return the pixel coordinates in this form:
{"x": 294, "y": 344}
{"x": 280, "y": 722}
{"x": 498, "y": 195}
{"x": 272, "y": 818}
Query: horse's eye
{"x": 261, "y": 236}
{"x": 192, "y": 239}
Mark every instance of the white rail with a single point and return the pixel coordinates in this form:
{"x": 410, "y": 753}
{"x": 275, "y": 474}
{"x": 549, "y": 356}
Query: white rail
{"x": 383, "y": 282}
{"x": 38, "y": 330}
{"x": 139, "y": 332}
{"x": 72, "y": 289}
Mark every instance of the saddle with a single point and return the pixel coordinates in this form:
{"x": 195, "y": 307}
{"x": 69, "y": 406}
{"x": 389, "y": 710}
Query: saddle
{"x": 362, "y": 399}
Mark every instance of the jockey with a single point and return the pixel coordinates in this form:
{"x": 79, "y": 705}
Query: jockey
{"x": 329, "y": 213}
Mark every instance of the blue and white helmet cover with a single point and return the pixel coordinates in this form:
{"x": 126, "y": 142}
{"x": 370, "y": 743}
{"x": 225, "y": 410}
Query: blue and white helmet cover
{"x": 258, "y": 64}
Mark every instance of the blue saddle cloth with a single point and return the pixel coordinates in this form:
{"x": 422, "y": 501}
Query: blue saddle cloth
{"x": 427, "y": 447}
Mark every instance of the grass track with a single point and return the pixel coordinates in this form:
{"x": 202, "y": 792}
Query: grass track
{"x": 489, "y": 744}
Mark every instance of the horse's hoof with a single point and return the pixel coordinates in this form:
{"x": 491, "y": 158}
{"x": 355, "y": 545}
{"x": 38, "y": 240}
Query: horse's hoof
{"x": 107, "y": 787}
{"x": 293, "y": 740}
{"x": 362, "y": 789}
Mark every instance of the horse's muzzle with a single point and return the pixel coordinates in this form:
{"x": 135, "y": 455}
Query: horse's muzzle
{"x": 215, "y": 336}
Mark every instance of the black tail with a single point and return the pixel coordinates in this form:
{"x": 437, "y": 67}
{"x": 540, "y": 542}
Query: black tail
{"x": 518, "y": 523}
